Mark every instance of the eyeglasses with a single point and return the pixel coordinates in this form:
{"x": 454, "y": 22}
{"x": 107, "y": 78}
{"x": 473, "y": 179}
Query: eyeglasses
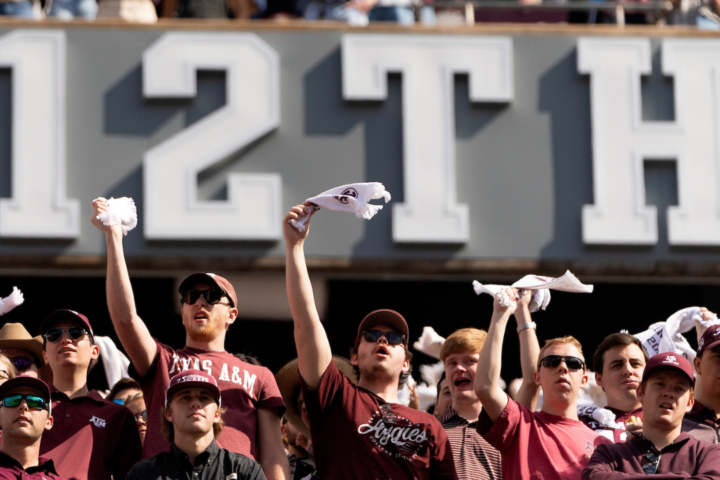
{"x": 651, "y": 468}
{"x": 393, "y": 338}
{"x": 22, "y": 363}
{"x": 55, "y": 334}
{"x": 142, "y": 415}
{"x": 552, "y": 361}
{"x": 212, "y": 296}
{"x": 33, "y": 401}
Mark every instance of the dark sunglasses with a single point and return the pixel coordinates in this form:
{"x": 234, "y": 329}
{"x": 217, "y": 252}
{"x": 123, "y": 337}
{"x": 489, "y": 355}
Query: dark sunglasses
{"x": 552, "y": 361}
{"x": 393, "y": 338}
{"x": 213, "y": 296}
{"x": 388, "y": 416}
{"x": 22, "y": 363}
{"x": 33, "y": 401}
{"x": 651, "y": 467}
{"x": 55, "y": 334}
{"x": 142, "y": 415}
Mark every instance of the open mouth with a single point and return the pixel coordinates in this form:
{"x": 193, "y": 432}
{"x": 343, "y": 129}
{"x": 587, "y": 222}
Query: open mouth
{"x": 382, "y": 350}
{"x": 200, "y": 316}
{"x": 666, "y": 406}
{"x": 563, "y": 381}
{"x": 67, "y": 350}
{"x": 461, "y": 382}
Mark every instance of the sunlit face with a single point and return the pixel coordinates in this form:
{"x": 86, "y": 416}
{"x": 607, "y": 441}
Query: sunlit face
{"x": 204, "y": 322}
{"x": 23, "y": 424}
{"x": 193, "y": 411}
{"x": 67, "y": 352}
{"x": 460, "y": 370}
{"x": 380, "y": 361}
{"x": 444, "y": 398}
{"x": 560, "y": 384}
{"x": 623, "y": 367}
{"x": 707, "y": 367}
{"x": 665, "y": 398}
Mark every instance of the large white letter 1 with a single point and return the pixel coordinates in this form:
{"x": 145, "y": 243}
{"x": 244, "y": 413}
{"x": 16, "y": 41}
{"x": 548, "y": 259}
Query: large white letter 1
{"x": 39, "y": 207}
{"x": 622, "y": 141}
{"x": 254, "y": 207}
{"x": 430, "y": 212}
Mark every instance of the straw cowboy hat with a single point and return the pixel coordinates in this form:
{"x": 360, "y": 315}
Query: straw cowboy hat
{"x": 14, "y": 335}
{"x": 288, "y": 380}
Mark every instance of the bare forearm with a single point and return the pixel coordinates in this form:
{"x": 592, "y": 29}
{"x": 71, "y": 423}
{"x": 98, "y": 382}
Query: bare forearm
{"x": 272, "y": 456}
{"x": 487, "y": 385}
{"x": 529, "y": 350}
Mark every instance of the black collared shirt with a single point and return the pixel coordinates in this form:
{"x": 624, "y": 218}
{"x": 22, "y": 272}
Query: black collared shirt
{"x": 214, "y": 463}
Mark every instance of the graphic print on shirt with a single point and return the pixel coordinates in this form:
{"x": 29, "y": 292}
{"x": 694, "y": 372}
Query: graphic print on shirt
{"x": 235, "y": 374}
{"x": 98, "y": 422}
{"x": 402, "y": 439}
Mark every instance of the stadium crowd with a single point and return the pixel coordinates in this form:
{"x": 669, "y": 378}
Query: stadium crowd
{"x": 199, "y": 412}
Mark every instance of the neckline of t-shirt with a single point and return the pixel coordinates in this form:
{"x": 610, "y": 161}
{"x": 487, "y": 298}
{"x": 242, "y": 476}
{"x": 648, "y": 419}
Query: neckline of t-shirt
{"x": 197, "y": 350}
{"x": 550, "y": 418}
{"x": 381, "y": 401}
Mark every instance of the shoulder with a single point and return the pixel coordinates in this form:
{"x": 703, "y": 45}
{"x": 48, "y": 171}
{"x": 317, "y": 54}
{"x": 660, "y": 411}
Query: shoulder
{"x": 238, "y": 460}
{"x": 144, "y": 467}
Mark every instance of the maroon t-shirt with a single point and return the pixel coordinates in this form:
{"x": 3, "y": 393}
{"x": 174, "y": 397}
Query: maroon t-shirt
{"x": 10, "y": 469}
{"x": 91, "y": 438}
{"x": 686, "y": 457}
{"x": 352, "y": 442}
{"x": 538, "y": 445}
{"x": 244, "y": 388}
{"x": 617, "y": 435}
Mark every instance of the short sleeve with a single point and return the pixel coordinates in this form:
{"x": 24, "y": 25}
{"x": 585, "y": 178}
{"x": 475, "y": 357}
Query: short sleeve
{"x": 442, "y": 463}
{"x": 503, "y": 433}
{"x": 160, "y": 350}
{"x": 332, "y": 384}
{"x": 269, "y": 396}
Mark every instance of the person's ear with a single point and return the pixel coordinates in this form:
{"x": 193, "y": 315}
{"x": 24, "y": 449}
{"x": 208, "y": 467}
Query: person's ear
{"x": 44, "y": 355}
{"x": 691, "y": 402}
{"x": 536, "y": 377}
{"x": 641, "y": 393}
{"x": 599, "y": 380}
{"x": 696, "y": 362}
{"x": 354, "y": 360}
{"x": 169, "y": 414}
{"x": 95, "y": 352}
{"x": 218, "y": 414}
{"x": 232, "y": 317}
{"x": 585, "y": 379}
{"x": 49, "y": 423}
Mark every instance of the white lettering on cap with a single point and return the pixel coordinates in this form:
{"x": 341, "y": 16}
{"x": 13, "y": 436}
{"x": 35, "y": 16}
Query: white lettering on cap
{"x": 671, "y": 359}
{"x": 192, "y": 378}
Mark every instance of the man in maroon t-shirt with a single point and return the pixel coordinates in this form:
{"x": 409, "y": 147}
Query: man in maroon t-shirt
{"x": 618, "y": 363}
{"x": 703, "y": 421}
{"x": 360, "y": 432}
{"x": 209, "y": 306}
{"x": 662, "y": 450}
{"x": 91, "y": 438}
{"x": 551, "y": 443}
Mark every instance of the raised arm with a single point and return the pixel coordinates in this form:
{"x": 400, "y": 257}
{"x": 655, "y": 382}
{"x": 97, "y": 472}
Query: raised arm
{"x": 487, "y": 378}
{"x": 313, "y": 347}
{"x": 272, "y": 456}
{"x": 529, "y": 350}
{"x": 130, "y": 328}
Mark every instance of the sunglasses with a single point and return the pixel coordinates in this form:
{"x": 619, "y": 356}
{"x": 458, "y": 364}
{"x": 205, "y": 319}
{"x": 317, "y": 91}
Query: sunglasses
{"x": 33, "y": 401}
{"x": 55, "y": 334}
{"x": 552, "y": 361}
{"x": 388, "y": 416}
{"x": 213, "y": 296}
{"x": 651, "y": 467}
{"x": 119, "y": 401}
{"x": 142, "y": 415}
{"x": 393, "y": 338}
{"x": 22, "y": 363}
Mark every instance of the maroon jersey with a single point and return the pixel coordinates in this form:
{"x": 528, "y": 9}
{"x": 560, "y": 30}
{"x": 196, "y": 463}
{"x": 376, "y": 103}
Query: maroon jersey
{"x": 617, "y": 434}
{"x": 358, "y": 436}
{"x": 244, "y": 388}
{"x": 10, "y": 469}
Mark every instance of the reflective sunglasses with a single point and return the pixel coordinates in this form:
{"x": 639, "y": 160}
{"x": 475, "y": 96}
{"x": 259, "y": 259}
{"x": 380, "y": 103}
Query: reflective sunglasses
{"x": 55, "y": 334}
{"x": 213, "y": 296}
{"x": 651, "y": 468}
{"x": 22, "y": 363}
{"x": 119, "y": 401}
{"x": 33, "y": 401}
{"x": 393, "y": 338}
{"x": 552, "y": 361}
{"x": 142, "y": 415}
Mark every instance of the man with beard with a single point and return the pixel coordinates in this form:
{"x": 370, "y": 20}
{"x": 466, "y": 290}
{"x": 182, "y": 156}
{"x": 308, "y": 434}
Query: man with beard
{"x": 25, "y": 414}
{"x": 618, "y": 362}
{"x": 209, "y": 307}
{"x": 662, "y": 450}
{"x": 551, "y": 443}
{"x": 359, "y": 432}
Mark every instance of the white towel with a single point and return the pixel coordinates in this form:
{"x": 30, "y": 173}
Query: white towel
{"x": 114, "y": 361}
{"x": 351, "y": 198}
{"x": 603, "y": 416}
{"x": 121, "y": 211}
{"x": 541, "y": 287}
{"x": 429, "y": 343}
{"x": 666, "y": 336}
{"x": 11, "y": 301}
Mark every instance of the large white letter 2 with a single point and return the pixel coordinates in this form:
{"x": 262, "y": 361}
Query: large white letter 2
{"x": 430, "y": 212}
{"x": 172, "y": 209}
{"x": 622, "y": 141}
{"x": 39, "y": 207}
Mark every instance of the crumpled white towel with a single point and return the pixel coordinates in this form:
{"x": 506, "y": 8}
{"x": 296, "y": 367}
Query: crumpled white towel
{"x": 351, "y": 198}
{"x": 11, "y": 301}
{"x": 431, "y": 373}
{"x": 429, "y": 343}
{"x": 115, "y": 362}
{"x": 121, "y": 211}
{"x": 666, "y": 336}
{"x": 603, "y": 416}
{"x": 539, "y": 284}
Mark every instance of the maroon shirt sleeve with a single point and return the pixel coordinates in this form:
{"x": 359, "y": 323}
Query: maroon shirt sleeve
{"x": 442, "y": 464}
{"x": 331, "y": 386}
{"x": 131, "y": 447}
{"x": 269, "y": 396}
{"x": 502, "y": 433}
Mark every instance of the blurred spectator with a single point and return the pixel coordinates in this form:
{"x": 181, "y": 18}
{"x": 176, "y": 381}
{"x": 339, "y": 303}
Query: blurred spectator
{"x": 7, "y": 370}
{"x": 444, "y": 398}
{"x": 127, "y": 387}
{"x": 136, "y": 404}
{"x": 301, "y": 465}
{"x": 136, "y": 11}
{"x": 16, "y": 8}
{"x": 70, "y": 9}
{"x": 24, "y": 351}
{"x": 354, "y": 12}
{"x": 701, "y": 13}
{"x": 398, "y": 11}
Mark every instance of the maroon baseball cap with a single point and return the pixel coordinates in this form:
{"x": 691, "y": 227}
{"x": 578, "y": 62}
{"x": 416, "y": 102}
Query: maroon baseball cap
{"x": 192, "y": 379}
{"x": 28, "y": 381}
{"x": 710, "y": 339}
{"x": 391, "y": 318}
{"x": 69, "y": 315}
{"x": 669, "y": 361}
{"x": 220, "y": 282}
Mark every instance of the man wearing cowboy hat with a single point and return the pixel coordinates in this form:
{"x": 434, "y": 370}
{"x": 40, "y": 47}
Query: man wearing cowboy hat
{"x": 386, "y": 439}
{"x": 25, "y": 414}
{"x": 209, "y": 307}
{"x": 24, "y": 351}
